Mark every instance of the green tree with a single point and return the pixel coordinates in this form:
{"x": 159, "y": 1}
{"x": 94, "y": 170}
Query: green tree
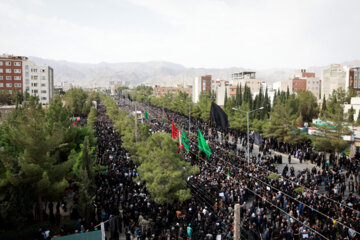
{"x": 163, "y": 170}
{"x": 358, "y": 119}
{"x": 351, "y": 115}
{"x": 77, "y": 102}
{"x": 84, "y": 168}
{"x": 36, "y": 165}
{"x": 308, "y": 107}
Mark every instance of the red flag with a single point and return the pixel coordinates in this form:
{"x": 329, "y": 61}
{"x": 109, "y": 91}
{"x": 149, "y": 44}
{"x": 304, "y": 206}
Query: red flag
{"x": 74, "y": 123}
{"x": 175, "y": 132}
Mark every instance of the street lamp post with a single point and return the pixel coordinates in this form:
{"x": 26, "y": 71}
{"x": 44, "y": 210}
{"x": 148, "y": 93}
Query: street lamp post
{"x": 247, "y": 118}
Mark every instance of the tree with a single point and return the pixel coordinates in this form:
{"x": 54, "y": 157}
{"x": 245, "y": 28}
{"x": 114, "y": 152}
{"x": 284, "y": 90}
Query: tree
{"x": 84, "y": 169}
{"x": 205, "y": 105}
{"x": 287, "y": 92}
{"x": 36, "y": 166}
{"x": 358, "y": 119}
{"x": 351, "y": 115}
{"x": 57, "y": 116}
{"x": 240, "y": 96}
{"x": 308, "y": 107}
{"x": 77, "y": 101}
{"x": 323, "y": 105}
{"x": 163, "y": 170}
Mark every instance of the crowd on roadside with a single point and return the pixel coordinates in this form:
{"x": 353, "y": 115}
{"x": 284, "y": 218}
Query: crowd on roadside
{"x": 276, "y": 211}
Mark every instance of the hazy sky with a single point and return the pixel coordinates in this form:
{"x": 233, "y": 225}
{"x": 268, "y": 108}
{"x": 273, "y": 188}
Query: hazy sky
{"x": 195, "y": 33}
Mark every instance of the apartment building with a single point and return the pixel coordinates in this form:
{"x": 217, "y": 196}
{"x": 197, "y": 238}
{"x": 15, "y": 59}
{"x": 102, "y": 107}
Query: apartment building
{"x": 353, "y": 78}
{"x": 21, "y": 74}
{"x": 201, "y": 85}
{"x": 11, "y": 74}
{"x": 307, "y": 81}
{"x": 333, "y": 78}
{"x": 246, "y": 78}
{"x": 38, "y": 81}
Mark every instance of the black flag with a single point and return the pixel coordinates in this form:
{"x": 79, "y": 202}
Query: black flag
{"x": 129, "y": 98}
{"x": 218, "y": 116}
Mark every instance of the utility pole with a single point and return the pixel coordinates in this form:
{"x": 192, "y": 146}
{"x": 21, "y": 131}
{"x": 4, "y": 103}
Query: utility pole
{"x": 135, "y": 123}
{"x": 163, "y": 113}
{"x": 248, "y": 144}
{"x": 189, "y": 117}
{"x": 237, "y": 227}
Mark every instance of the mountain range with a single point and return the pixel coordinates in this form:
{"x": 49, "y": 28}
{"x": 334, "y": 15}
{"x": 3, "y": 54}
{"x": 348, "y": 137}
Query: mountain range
{"x": 154, "y": 72}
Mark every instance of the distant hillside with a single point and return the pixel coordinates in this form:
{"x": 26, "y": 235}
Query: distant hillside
{"x": 151, "y": 73}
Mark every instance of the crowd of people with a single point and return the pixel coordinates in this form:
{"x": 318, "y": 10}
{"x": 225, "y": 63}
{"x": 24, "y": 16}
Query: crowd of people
{"x": 271, "y": 208}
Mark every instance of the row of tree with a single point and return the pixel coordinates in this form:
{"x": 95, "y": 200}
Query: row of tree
{"x": 160, "y": 167}
{"x": 41, "y": 155}
{"x": 279, "y": 120}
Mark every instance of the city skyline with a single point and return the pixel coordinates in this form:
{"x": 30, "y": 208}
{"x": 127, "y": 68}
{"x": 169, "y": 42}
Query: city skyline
{"x": 211, "y": 34}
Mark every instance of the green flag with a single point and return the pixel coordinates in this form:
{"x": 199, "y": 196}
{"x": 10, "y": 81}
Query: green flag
{"x": 73, "y": 118}
{"x": 185, "y": 141}
{"x": 146, "y": 115}
{"x": 203, "y": 145}
{"x": 228, "y": 175}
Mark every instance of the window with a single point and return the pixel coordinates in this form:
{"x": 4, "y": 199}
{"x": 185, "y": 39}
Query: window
{"x": 43, "y": 91}
{"x": 27, "y": 88}
{"x": 17, "y": 70}
{"x": 34, "y": 77}
{"x": 26, "y": 74}
{"x": 8, "y": 70}
{"x": 34, "y": 70}
{"x": 43, "y": 77}
{"x": 1, "y": 63}
{"x": 17, "y": 84}
{"x": 43, "y": 85}
{"x": 17, "y": 63}
{"x": 26, "y": 67}
{"x": 10, "y": 91}
{"x": 8, "y": 78}
{"x": 1, "y": 78}
{"x": 9, "y": 85}
{"x": 35, "y": 91}
{"x": 1, "y": 85}
{"x": 43, "y": 98}
{"x": 17, "y": 78}
{"x": 27, "y": 81}
{"x": 1, "y": 70}
{"x": 34, "y": 84}
{"x": 8, "y": 63}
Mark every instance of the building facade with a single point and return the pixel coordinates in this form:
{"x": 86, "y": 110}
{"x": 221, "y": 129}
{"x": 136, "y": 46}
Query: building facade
{"x": 161, "y": 91}
{"x": 281, "y": 86}
{"x": 201, "y": 85}
{"x": 222, "y": 90}
{"x": 354, "y": 78}
{"x": 306, "y": 81}
{"x": 333, "y": 78}
{"x": 11, "y": 73}
{"x": 247, "y": 78}
{"x": 38, "y": 81}
{"x": 20, "y": 74}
